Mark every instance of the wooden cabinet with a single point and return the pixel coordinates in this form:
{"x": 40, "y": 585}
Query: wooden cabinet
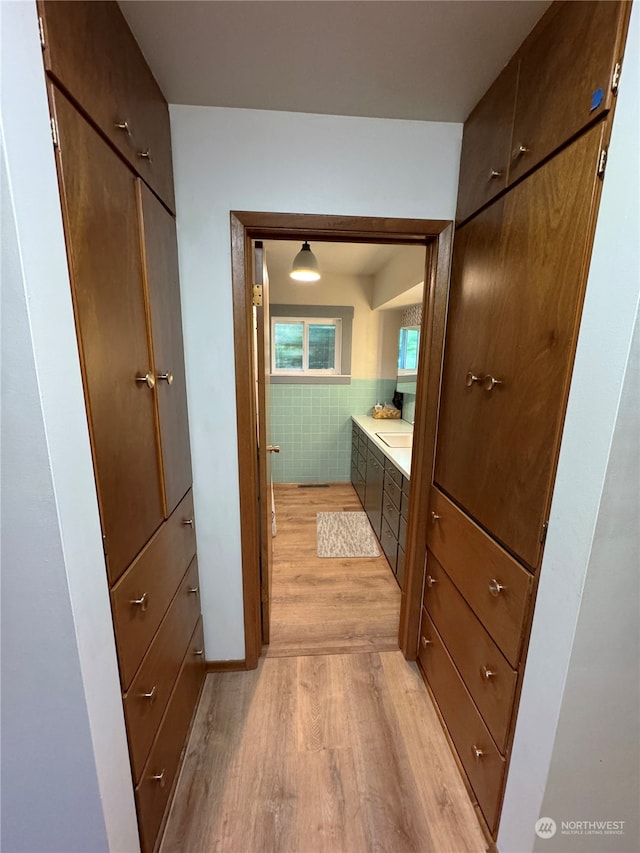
{"x": 91, "y": 53}
{"x": 373, "y": 487}
{"x": 561, "y": 80}
{"x": 517, "y": 288}
{"x": 486, "y": 145}
{"x": 121, "y": 248}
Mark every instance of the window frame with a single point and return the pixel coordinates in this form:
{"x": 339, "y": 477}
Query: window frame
{"x": 306, "y": 322}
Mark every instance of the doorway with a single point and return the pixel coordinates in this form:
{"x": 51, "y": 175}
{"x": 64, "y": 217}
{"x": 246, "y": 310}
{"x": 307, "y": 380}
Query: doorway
{"x": 436, "y": 236}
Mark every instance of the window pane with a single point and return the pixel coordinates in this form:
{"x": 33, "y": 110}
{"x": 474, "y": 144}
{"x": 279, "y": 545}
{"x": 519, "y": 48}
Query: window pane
{"x": 288, "y": 345}
{"x": 322, "y": 347}
{"x": 411, "y": 358}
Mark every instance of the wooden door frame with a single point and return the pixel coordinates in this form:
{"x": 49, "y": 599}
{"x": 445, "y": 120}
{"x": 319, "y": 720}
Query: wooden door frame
{"x": 436, "y": 234}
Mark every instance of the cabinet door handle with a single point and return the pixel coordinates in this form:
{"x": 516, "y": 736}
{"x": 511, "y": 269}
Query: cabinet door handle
{"x": 124, "y": 126}
{"x": 198, "y": 652}
{"x": 166, "y": 377}
{"x": 470, "y": 378}
{"x": 149, "y": 378}
{"x": 141, "y": 602}
{"x": 188, "y": 522}
{"x": 431, "y": 581}
{"x": 495, "y": 587}
{"x": 425, "y": 642}
{"x": 159, "y": 778}
{"x": 477, "y": 752}
{"x": 495, "y": 173}
{"x": 489, "y": 382}
{"x": 519, "y": 151}
{"x": 193, "y": 590}
{"x": 487, "y": 673}
{"x": 145, "y": 155}
{"x": 151, "y": 695}
{"x": 435, "y": 517}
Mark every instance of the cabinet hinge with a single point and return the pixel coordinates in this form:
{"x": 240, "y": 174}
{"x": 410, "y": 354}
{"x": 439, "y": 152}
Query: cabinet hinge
{"x": 257, "y": 295}
{"x": 602, "y": 162}
{"x": 43, "y": 43}
{"x": 54, "y": 133}
{"x": 615, "y": 77}
{"x": 543, "y": 532}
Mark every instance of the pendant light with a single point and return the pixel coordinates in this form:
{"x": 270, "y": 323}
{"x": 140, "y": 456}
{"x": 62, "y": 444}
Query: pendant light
{"x": 305, "y": 265}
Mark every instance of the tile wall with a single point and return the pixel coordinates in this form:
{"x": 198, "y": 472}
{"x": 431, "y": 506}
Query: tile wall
{"x": 312, "y": 425}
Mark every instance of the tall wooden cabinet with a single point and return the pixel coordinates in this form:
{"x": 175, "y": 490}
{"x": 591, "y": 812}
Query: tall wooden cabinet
{"x": 520, "y": 264}
{"x": 111, "y": 132}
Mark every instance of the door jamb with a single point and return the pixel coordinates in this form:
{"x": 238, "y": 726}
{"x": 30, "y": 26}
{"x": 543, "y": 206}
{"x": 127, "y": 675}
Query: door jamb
{"x": 436, "y": 234}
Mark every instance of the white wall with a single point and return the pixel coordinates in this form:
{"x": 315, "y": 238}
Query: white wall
{"x": 574, "y": 540}
{"x": 227, "y": 159}
{"x": 66, "y": 782}
{"x": 404, "y": 271}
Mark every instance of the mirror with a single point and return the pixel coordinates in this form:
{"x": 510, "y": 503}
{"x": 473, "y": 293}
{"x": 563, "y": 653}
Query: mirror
{"x": 408, "y": 349}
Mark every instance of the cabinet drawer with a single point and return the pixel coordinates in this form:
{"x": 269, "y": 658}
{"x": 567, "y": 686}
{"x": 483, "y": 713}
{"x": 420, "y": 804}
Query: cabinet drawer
{"x": 484, "y": 670}
{"x": 392, "y": 490}
{"x": 465, "y": 725}
{"x": 400, "y": 567}
{"x": 152, "y": 794}
{"x": 404, "y": 505}
{"x": 93, "y": 55}
{"x": 151, "y": 581}
{"x": 486, "y": 144}
{"x": 402, "y": 532}
{"x": 362, "y": 464}
{"x": 158, "y": 670}
{"x": 496, "y": 587}
{"x": 389, "y": 544}
{"x": 392, "y": 473}
{"x": 391, "y": 515}
{"x": 566, "y": 70}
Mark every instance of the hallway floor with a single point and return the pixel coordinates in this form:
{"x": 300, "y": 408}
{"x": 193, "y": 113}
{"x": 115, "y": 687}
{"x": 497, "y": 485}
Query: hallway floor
{"x": 317, "y": 752}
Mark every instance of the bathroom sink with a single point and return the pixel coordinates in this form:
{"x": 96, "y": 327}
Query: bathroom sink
{"x": 396, "y": 439}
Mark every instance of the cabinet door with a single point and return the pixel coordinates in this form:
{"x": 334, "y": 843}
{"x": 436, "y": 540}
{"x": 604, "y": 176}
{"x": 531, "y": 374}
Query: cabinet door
{"x": 518, "y": 277}
{"x": 163, "y": 293}
{"x": 486, "y": 144}
{"x": 373, "y": 491}
{"x": 103, "y": 246}
{"x": 566, "y": 70}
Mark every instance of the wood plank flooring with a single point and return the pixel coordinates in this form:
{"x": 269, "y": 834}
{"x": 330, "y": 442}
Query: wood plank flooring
{"x": 332, "y": 744}
{"x": 321, "y": 605}
{"x": 320, "y": 754}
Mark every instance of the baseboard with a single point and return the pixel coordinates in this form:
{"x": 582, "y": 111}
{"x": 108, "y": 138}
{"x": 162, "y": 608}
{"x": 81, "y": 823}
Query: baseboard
{"x": 226, "y": 665}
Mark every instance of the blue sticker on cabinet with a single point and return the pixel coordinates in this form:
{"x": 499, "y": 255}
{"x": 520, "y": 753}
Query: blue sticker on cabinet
{"x": 596, "y": 99}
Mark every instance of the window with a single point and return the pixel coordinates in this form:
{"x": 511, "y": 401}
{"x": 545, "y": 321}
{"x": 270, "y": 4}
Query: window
{"x": 311, "y": 344}
{"x": 306, "y": 345}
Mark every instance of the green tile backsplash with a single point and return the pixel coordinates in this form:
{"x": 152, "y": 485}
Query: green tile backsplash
{"x": 312, "y": 425}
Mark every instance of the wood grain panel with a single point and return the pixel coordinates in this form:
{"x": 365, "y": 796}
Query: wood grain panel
{"x": 155, "y": 574}
{"x": 156, "y": 785}
{"x": 473, "y": 560}
{"x": 101, "y": 229}
{"x": 486, "y": 144}
{"x": 147, "y": 697}
{"x": 484, "y": 670}
{"x": 517, "y": 288}
{"x": 160, "y": 255}
{"x": 566, "y": 69}
{"x": 464, "y": 723}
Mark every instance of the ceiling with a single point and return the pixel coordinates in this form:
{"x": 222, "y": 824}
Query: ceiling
{"x": 428, "y": 60}
{"x": 338, "y": 258}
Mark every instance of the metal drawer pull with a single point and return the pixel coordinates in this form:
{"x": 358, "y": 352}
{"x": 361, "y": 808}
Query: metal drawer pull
{"x": 193, "y": 590}
{"x": 519, "y": 151}
{"x": 145, "y": 155}
{"x": 123, "y": 125}
{"x": 159, "y": 777}
{"x": 151, "y": 695}
{"x": 478, "y": 753}
{"x": 487, "y": 673}
{"x": 470, "y": 378}
{"x": 149, "y": 378}
{"x": 495, "y": 173}
{"x": 166, "y": 377}
{"x": 495, "y": 587}
{"x": 431, "y": 581}
{"x": 188, "y": 522}
{"x": 425, "y": 642}
{"x": 141, "y": 602}
{"x": 198, "y": 652}
{"x": 489, "y": 382}
{"x": 435, "y": 517}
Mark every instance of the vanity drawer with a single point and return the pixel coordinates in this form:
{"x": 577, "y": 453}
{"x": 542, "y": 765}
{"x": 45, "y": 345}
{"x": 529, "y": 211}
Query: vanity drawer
{"x": 483, "y": 764}
{"x": 394, "y": 474}
{"x": 494, "y": 585}
{"x": 392, "y": 490}
{"x": 140, "y": 598}
{"x": 484, "y": 669}
{"x": 156, "y": 783}
{"x": 159, "y": 669}
{"x": 389, "y": 544}
{"x": 391, "y": 514}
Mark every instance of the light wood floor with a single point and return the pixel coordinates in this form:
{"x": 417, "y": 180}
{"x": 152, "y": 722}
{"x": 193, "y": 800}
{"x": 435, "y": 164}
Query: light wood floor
{"x": 321, "y": 605}
{"x": 332, "y": 744}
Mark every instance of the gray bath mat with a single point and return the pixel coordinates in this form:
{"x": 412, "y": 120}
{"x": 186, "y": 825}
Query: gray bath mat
{"x": 346, "y": 534}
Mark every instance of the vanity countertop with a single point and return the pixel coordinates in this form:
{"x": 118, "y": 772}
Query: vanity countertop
{"x": 400, "y": 456}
